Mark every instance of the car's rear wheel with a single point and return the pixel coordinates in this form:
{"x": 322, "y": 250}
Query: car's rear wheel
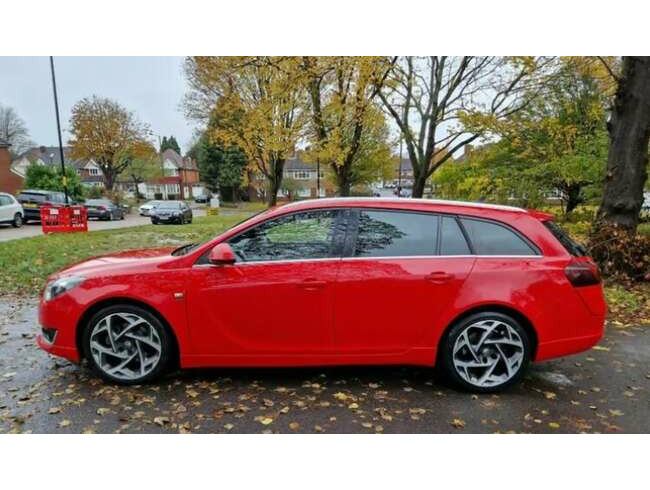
{"x": 485, "y": 352}
{"x": 126, "y": 344}
{"x": 18, "y": 220}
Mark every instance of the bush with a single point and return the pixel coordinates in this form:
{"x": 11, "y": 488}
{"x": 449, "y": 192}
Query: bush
{"x": 48, "y": 178}
{"x": 621, "y": 255}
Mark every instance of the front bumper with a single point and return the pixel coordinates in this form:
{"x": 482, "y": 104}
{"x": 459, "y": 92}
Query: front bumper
{"x": 99, "y": 214}
{"x": 59, "y": 315}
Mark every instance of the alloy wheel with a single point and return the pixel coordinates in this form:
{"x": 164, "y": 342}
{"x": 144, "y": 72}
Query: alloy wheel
{"x": 488, "y": 353}
{"x": 125, "y": 346}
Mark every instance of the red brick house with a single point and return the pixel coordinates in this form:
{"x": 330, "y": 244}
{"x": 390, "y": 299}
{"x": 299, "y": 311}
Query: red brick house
{"x": 10, "y": 181}
{"x": 180, "y": 179}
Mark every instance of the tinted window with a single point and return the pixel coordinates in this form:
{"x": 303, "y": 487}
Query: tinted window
{"x": 5, "y": 200}
{"x": 452, "y": 240}
{"x": 391, "y": 233}
{"x": 567, "y": 242}
{"x": 308, "y": 235}
{"x": 169, "y": 205}
{"x": 26, "y": 196}
{"x": 494, "y": 239}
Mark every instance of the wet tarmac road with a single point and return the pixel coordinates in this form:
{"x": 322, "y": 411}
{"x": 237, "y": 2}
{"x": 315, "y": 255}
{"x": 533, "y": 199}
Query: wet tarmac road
{"x": 606, "y": 389}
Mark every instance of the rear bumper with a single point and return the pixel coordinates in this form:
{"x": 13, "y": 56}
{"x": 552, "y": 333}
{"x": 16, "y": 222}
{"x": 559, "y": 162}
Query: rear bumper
{"x": 31, "y": 213}
{"x": 573, "y": 345}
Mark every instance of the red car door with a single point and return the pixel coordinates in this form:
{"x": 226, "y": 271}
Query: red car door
{"x": 392, "y": 284}
{"x": 277, "y": 297}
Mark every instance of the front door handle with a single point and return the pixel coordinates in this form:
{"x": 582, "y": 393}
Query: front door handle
{"x": 439, "y": 277}
{"x": 312, "y": 284}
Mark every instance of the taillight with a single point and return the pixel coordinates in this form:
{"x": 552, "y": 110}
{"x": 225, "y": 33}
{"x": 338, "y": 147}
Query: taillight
{"x": 582, "y": 273}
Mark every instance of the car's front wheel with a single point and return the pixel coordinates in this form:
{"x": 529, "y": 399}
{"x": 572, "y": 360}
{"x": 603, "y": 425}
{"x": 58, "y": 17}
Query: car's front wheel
{"x": 126, "y": 344}
{"x": 485, "y": 352}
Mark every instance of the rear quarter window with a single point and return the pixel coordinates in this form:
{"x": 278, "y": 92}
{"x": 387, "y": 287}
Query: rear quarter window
{"x": 569, "y": 244}
{"x": 491, "y": 238}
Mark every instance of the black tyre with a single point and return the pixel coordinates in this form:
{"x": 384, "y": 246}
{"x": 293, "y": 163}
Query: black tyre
{"x": 484, "y": 353}
{"x": 126, "y": 344}
{"x": 18, "y": 220}
{"x": 154, "y": 221}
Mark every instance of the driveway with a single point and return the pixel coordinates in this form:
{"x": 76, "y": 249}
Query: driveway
{"x": 7, "y": 232}
{"x": 606, "y": 389}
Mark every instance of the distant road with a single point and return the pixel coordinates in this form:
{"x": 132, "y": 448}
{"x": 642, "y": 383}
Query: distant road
{"x": 7, "y": 232}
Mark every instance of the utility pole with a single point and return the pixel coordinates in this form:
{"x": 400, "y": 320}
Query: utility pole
{"x": 58, "y": 128}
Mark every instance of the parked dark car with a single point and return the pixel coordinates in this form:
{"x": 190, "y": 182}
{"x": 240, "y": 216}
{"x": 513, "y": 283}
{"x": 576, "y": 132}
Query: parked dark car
{"x": 171, "y": 212}
{"x": 33, "y": 199}
{"x": 104, "y": 209}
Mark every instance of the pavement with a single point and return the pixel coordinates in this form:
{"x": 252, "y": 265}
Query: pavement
{"x": 604, "y": 390}
{"x": 33, "y": 228}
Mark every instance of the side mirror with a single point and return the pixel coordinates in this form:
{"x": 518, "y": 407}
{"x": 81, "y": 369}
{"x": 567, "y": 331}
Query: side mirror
{"x": 222, "y": 254}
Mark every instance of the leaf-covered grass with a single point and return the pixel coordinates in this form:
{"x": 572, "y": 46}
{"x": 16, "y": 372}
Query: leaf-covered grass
{"x": 26, "y": 263}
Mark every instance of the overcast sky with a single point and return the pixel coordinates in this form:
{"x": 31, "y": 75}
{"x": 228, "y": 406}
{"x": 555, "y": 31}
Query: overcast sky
{"x": 151, "y": 87}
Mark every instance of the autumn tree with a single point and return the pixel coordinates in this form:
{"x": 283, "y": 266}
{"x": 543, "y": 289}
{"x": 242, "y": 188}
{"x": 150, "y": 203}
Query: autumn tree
{"x": 145, "y": 166}
{"x": 629, "y": 134}
{"x": 437, "y": 101}
{"x": 13, "y": 130}
{"x": 109, "y": 134}
{"x": 557, "y": 143}
{"x": 260, "y": 105}
{"x": 345, "y": 119}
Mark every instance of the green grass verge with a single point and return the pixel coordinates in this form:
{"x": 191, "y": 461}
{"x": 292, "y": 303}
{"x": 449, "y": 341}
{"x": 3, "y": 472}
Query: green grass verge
{"x": 26, "y": 263}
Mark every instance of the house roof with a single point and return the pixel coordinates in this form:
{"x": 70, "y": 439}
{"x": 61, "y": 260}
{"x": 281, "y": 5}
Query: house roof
{"x": 181, "y": 162}
{"x": 50, "y": 155}
{"x": 295, "y": 163}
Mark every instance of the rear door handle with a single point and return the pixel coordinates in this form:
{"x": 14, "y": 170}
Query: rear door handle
{"x": 439, "y": 277}
{"x": 312, "y": 284}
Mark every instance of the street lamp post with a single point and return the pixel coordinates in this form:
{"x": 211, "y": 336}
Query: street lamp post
{"x": 317, "y": 178}
{"x": 58, "y": 128}
{"x": 399, "y": 177}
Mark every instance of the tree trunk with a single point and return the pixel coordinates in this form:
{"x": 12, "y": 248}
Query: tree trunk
{"x": 419, "y": 182}
{"x": 629, "y": 132}
{"x": 574, "y": 198}
{"x": 275, "y": 181}
{"x": 343, "y": 181}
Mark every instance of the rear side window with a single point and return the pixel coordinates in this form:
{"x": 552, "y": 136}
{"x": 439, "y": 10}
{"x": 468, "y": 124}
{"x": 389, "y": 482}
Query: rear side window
{"x": 26, "y": 196}
{"x": 571, "y": 246}
{"x": 394, "y": 233}
{"x": 452, "y": 240}
{"x": 489, "y": 238}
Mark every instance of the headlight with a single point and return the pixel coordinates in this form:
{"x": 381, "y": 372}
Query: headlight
{"x": 61, "y": 285}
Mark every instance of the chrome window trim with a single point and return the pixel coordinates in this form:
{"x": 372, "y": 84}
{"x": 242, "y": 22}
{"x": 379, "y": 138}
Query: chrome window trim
{"x": 388, "y": 257}
{"x": 286, "y": 261}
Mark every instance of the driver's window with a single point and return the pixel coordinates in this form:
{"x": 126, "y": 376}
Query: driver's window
{"x": 306, "y": 235}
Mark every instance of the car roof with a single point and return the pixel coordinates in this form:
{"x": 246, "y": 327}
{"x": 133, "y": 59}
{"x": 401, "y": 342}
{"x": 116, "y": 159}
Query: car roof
{"x": 402, "y": 203}
{"x": 39, "y": 191}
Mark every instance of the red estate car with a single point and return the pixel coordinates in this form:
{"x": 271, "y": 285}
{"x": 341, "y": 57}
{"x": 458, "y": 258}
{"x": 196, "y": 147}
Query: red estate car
{"x": 478, "y": 290}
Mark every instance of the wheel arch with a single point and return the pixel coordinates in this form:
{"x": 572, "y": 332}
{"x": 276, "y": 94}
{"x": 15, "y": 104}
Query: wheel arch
{"x": 105, "y": 303}
{"x": 496, "y": 308}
